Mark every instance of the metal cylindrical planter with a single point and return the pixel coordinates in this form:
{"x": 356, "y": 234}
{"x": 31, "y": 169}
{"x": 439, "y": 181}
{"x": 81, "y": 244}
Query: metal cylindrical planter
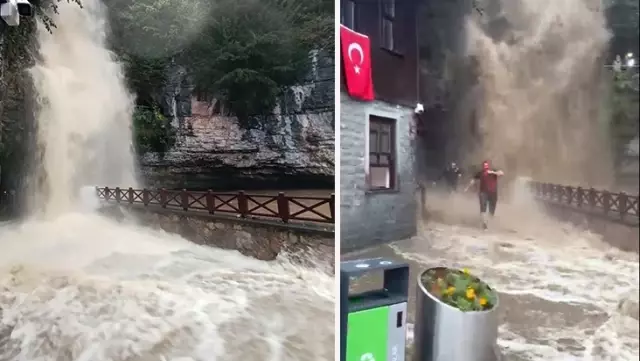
{"x": 444, "y": 333}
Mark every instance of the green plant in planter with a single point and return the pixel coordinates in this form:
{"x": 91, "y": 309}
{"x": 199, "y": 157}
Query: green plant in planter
{"x": 459, "y": 289}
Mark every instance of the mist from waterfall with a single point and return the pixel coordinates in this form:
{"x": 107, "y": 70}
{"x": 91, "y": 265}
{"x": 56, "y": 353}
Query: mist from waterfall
{"x": 84, "y": 110}
{"x": 535, "y": 106}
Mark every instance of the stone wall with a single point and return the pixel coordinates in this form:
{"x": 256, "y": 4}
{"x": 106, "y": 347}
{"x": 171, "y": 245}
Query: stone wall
{"x": 292, "y": 147}
{"x": 367, "y": 218}
{"x": 260, "y": 239}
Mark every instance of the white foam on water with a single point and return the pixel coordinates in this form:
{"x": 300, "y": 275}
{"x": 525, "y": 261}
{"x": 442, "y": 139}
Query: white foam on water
{"x": 568, "y": 298}
{"x": 82, "y": 287}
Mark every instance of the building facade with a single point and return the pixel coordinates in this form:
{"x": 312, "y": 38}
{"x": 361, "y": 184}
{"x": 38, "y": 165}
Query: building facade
{"x": 377, "y": 181}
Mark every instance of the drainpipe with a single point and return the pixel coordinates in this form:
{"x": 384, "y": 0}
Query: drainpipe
{"x": 417, "y": 11}
{"x": 419, "y": 119}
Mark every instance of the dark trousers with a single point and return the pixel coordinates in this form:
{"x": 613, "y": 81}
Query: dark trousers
{"x": 452, "y": 184}
{"x": 488, "y": 200}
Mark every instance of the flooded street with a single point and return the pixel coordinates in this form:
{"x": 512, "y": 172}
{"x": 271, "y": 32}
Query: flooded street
{"x": 564, "y": 294}
{"x": 83, "y": 287}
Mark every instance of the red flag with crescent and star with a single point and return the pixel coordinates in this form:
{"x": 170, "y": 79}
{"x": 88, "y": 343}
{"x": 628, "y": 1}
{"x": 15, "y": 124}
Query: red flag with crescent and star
{"x": 356, "y": 56}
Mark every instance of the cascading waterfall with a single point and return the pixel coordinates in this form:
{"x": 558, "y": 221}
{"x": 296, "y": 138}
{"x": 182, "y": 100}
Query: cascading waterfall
{"x": 85, "y": 109}
{"x": 537, "y": 99}
{"x": 76, "y": 286}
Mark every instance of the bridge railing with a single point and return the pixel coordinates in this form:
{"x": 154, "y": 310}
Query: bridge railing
{"x": 280, "y": 206}
{"x": 619, "y": 205}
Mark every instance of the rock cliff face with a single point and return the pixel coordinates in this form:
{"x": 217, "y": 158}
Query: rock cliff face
{"x": 291, "y": 148}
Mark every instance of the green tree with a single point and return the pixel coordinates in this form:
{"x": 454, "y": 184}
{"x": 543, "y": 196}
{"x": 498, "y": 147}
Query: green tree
{"x": 152, "y": 131}
{"x": 247, "y": 54}
{"x": 624, "y": 108}
{"x": 244, "y": 53}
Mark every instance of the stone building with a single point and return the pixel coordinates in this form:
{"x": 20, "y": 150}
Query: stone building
{"x": 377, "y": 181}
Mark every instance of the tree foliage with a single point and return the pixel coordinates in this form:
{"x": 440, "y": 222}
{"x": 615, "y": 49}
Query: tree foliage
{"x": 624, "y": 104}
{"x": 46, "y": 7}
{"x": 624, "y": 99}
{"x": 151, "y": 130}
{"x": 244, "y": 53}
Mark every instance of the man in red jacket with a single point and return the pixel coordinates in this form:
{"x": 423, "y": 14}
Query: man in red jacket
{"x": 487, "y": 190}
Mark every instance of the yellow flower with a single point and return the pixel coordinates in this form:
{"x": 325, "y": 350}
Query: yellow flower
{"x": 471, "y": 293}
{"x": 465, "y": 271}
{"x": 482, "y": 301}
{"x": 450, "y": 290}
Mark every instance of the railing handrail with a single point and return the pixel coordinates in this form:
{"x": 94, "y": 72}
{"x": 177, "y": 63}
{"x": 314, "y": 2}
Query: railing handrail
{"x": 616, "y": 204}
{"x": 280, "y": 206}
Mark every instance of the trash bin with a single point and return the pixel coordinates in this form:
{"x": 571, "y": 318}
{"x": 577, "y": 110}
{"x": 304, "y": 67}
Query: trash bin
{"x": 373, "y": 323}
{"x": 445, "y": 333}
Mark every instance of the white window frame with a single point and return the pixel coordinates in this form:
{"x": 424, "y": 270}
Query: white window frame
{"x": 395, "y": 116}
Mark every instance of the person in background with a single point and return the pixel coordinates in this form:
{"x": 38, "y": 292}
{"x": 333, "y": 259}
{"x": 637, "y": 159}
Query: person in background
{"x": 451, "y": 176}
{"x": 487, "y": 190}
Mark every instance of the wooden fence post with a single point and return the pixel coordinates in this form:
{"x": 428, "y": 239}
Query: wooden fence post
{"x": 623, "y": 201}
{"x": 243, "y": 204}
{"x": 211, "y": 202}
{"x": 580, "y": 196}
{"x": 592, "y": 197}
{"x": 107, "y": 193}
{"x": 130, "y": 195}
{"x": 145, "y": 196}
{"x": 184, "y": 200}
{"x": 283, "y": 207}
{"x": 569, "y": 192}
{"x": 606, "y": 202}
{"x": 163, "y": 198}
{"x": 118, "y": 195}
{"x": 332, "y": 204}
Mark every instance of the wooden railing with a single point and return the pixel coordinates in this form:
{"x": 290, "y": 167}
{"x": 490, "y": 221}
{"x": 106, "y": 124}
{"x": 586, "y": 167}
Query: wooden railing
{"x": 619, "y": 205}
{"x": 280, "y": 206}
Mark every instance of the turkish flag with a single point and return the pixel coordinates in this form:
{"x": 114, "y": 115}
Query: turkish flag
{"x": 356, "y": 56}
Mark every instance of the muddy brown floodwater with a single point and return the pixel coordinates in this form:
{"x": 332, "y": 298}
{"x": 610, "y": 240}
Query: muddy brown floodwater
{"x": 564, "y": 294}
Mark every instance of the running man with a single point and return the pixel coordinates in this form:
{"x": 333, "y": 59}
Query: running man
{"x": 487, "y": 191}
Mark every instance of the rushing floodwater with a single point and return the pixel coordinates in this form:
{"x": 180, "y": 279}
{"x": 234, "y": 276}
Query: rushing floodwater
{"x": 563, "y": 302}
{"x": 82, "y": 287}
{"x": 75, "y": 286}
{"x": 565, "y": 295}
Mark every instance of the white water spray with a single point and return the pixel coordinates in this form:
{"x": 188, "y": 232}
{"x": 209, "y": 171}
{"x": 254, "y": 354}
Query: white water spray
{"x": 538, "y": 97}
{"x": 75, "y": 286}
{"x": 85, "y": 109}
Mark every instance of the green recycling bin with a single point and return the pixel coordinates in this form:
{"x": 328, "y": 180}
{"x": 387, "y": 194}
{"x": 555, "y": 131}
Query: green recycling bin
{"x": 373, "y": 323}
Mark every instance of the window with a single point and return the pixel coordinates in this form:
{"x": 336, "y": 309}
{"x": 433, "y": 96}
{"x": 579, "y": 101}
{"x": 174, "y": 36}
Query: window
{"x": 388, "y": 12}
{"x": 381, "y": 153}
{"x": 348, "y": 14}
